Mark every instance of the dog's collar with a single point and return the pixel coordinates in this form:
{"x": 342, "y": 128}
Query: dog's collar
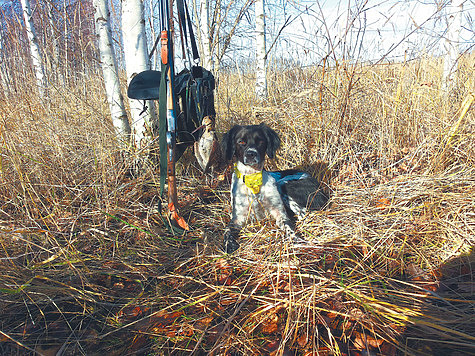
{"x": 252, "y": 181}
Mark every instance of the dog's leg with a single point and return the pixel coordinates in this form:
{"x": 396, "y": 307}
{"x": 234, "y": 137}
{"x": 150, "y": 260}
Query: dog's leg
{"x": 239, "y": 213}
{"x": 284, "y": 224}
{"x": 231, "y": 234}
{"x": 277, "y": 211}
{"x": 291, "y": 234}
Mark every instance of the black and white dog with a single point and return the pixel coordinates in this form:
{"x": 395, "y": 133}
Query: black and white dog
{"x": 255, "y": 191}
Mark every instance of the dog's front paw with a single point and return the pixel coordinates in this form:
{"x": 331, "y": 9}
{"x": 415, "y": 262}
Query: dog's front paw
{"x": 230, "y": 245}
{"x": 299, "y": 240}
{"x": 230, "y": 242}
{"x": 293, "y": 236}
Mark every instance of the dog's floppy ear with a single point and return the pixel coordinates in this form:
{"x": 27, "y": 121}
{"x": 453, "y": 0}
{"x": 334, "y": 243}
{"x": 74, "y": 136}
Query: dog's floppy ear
{"x": 229, "y": 142}
{"x": 273, "y": 140}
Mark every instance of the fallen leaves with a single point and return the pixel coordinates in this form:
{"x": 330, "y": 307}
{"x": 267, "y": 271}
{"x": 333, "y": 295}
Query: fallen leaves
{"x": 203, "y": 324}
{"x": 161, "y": 320}
{"x": 303, "y": 340}
{"x": 224, "y": 272}
{"x": 363, "y": 341}
{"x": 271, "y": 324}
{"x": 130, "y": 313}
{"x": 383, "y": 203}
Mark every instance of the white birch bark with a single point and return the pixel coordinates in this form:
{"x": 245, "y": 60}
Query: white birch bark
{"x": 109, "y": 69}
{"x": 36, "y": 60}
{"x": 55, "y": 59}
{"x": 452, "y": 40}
{"x": 66, "y": 75}
{"x": 206, "y": 60}
{"x": 136, "y": 61}
{"x": 261, "y": 78}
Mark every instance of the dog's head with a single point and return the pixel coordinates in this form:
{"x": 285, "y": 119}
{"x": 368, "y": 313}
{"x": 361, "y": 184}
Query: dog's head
{"x": 250, "y": 144}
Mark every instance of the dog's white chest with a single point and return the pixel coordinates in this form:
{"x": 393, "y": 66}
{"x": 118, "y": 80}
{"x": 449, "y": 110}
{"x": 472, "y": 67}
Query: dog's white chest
{"x": 244, "y": 200}
{"x": 249, "y": 206}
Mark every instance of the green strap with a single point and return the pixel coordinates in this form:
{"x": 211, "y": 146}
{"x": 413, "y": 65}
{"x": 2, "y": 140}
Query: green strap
{"x": 162, "y": 131}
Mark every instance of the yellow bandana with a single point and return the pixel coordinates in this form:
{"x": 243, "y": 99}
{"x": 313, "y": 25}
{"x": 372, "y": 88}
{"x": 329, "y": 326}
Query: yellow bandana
{"x": 252, "y": 181}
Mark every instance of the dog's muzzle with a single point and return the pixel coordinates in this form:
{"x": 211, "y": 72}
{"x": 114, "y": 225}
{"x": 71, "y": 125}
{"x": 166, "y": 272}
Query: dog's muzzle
{"x": 251, "y": 157}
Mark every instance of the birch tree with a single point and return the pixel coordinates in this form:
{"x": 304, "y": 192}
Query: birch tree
{"x": 109, "y": 69}
{"x": 136, "y": 61}
{"x": 207, "y": 61}
{"x": 54, "y": 51}
{"x": 261, "y": 78}
{"x": 36, "y": 60}
{"x": 452, "y": 39}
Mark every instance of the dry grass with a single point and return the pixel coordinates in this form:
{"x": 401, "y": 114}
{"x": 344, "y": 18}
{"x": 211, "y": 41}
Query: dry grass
{"x": 87, "y": 267}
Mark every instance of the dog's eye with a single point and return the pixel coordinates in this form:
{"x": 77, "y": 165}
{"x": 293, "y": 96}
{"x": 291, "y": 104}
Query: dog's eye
{"x": 241, "y": 142}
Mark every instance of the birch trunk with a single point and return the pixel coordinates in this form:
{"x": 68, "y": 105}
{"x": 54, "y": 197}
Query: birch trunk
{"x": 109, "y": 70}
{"x": 207, "y": 61}
{"x": 452, "y": 40}
{"x": 65, "y": 36}
{"x": 261, "y": 78}
{"x": 36, "y": 60}
{"x": 136, "y": 61}
{"x": 54, "y": 61}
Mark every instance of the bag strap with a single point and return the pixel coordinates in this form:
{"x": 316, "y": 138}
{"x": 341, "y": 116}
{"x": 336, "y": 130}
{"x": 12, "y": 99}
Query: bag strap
{"x": 186, "y": 21}
{"x": 194, "y": 48}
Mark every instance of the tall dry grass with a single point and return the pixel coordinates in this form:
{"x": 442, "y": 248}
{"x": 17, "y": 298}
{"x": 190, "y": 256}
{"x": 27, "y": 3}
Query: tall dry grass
{"x": 87, "y": 265}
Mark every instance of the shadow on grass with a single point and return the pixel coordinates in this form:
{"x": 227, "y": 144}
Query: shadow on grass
{"x": 447, "y": 325}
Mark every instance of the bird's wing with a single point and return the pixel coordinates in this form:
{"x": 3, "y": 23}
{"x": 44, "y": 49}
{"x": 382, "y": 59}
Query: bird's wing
{"x": 215, "y": 155}
{"x": 198, "y": 155}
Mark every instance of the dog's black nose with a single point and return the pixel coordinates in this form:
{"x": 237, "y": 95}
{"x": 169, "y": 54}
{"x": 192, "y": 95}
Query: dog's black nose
{"x": 251, "y": 154}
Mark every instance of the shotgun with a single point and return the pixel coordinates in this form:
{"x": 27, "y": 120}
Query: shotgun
{"x": 167, "y": 59}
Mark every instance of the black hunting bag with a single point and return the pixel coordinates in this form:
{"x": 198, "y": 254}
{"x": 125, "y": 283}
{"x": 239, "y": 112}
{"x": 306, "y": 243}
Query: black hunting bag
{"x": 194, "y": 96}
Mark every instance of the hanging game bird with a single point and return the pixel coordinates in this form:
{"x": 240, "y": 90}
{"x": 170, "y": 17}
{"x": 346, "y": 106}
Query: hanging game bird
{"x": 207, "y": 148}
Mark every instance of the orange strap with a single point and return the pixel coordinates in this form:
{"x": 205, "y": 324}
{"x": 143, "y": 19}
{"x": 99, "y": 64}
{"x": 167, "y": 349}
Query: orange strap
{"x": 164, "y": 47}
